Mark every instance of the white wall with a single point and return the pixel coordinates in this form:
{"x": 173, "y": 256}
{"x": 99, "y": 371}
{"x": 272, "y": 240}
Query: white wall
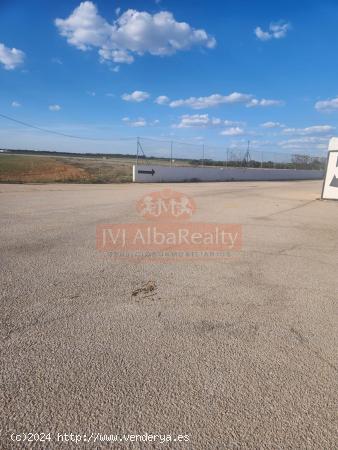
{"x": 168, "y": 174}
{"x": 330, "y": 186}
{"x": 333, "y": 144}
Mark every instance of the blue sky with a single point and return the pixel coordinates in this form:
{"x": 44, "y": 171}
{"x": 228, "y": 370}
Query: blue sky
{"x": 218, "y": 72}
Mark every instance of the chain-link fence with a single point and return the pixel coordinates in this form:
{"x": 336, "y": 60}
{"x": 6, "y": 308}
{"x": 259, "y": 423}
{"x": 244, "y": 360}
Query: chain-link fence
{"x": 174, "y": 153}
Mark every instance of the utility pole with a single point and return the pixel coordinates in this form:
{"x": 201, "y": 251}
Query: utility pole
{"x": 171, "y": 153}
{"x": 247, "y": 156}
{"x": 137, "y": 147}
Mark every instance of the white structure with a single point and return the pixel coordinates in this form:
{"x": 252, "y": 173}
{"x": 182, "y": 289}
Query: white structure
{"x": 330, "y": 185}
{"x": 157, "y": 174}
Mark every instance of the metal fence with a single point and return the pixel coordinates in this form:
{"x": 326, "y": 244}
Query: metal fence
{"x": 175, "y": 153}
{"x": 142, "y": 150}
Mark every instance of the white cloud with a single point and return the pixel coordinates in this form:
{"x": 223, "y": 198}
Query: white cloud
{"x": 117, "y": 11}
{"x": 211, "y": 100}
{"x": 233, "y": 131}
{"x": 162, "y": 100}
{"x": 327, "y": 105}
{"x": 118, "y": 56}
{"x": 264, "y": 102}
{"x": 16, "y": 104}
{"x": 115, "y": 69}
{"x": 132, "y": 33}
{"x": 202, "y": 121}
{"x": 140, "y": 122}
{"x": 276, "y": 30}
{"x": 54, "y": 108}
{"x": 279, "y": 30}
{"x": 218, "y": 99}
{"x": 272, "y": 125}
{"x": 304, "y": 143}
{"x": 84, "y": 28}
{"x": 57, "y": 61}
{"x": 11, "y": 58}
{"x": 91, "y": 93}
{"x": 195, "y": 120}
{"x": 136, "y": 96}
{"x": 316, "y": 129}
{"x": 262, "y": 35}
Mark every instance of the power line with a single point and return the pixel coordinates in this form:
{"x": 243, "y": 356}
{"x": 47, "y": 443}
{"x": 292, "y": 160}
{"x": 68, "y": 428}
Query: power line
{"x": 171, "y": 142}
{"x": 45, "y": 130}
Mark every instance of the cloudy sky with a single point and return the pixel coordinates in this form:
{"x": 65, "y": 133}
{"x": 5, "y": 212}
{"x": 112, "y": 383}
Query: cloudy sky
{"x": 218, "y": 72}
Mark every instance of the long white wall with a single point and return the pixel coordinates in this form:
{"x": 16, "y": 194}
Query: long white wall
{"x": 158, "y": 174}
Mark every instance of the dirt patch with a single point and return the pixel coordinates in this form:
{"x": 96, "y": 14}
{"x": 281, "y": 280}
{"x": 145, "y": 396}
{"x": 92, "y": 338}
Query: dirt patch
{"x": 37, "y": 169}
{"x": 147, "y": 290}
{"x": 45, "y": 169}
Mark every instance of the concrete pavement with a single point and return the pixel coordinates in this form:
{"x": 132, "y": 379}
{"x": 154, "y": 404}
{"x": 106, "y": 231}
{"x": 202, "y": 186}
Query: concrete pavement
{"x": 237, "y": 354}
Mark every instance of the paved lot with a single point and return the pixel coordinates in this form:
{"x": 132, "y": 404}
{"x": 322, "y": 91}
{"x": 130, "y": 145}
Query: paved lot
{"x": 237, "y": 354}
